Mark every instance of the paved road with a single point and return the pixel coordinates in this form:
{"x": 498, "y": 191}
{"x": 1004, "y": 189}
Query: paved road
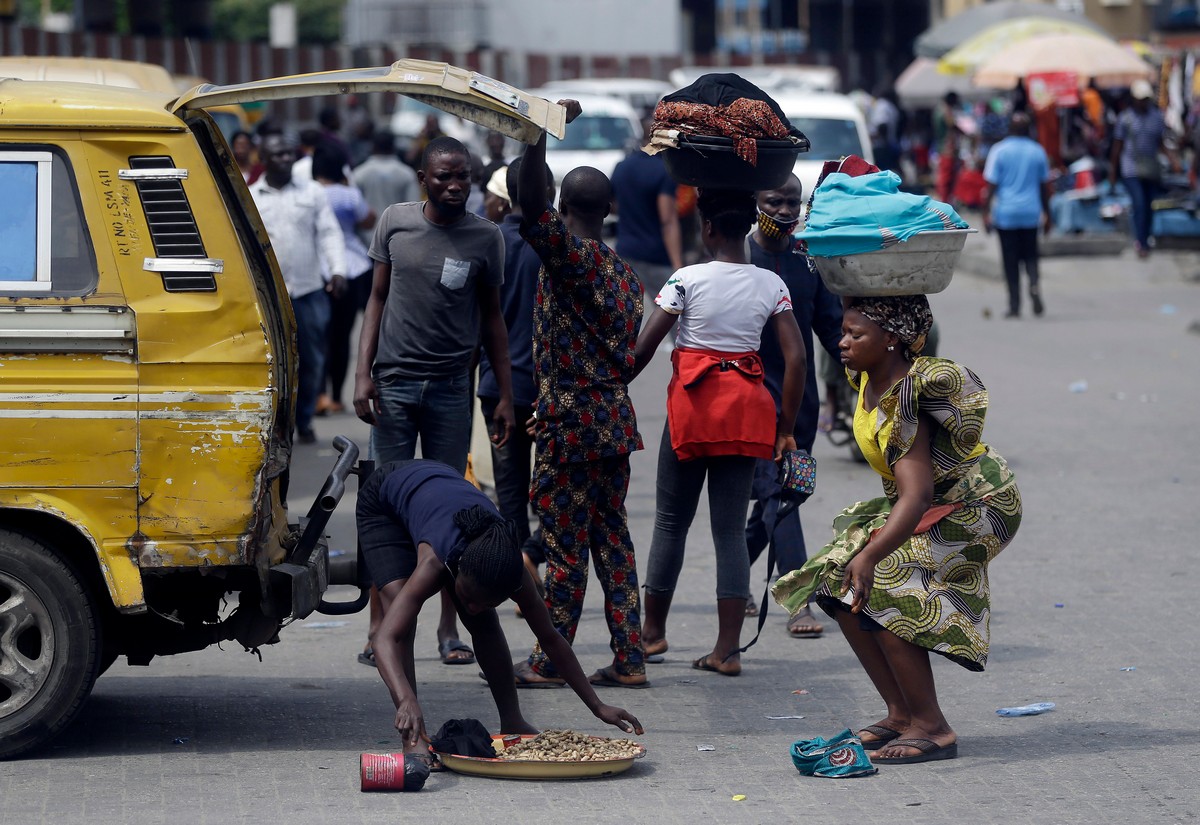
{"x": 1110, "y": 483}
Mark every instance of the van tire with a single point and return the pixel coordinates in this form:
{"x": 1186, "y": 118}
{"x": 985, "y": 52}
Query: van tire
{"x": 49, "y": 643}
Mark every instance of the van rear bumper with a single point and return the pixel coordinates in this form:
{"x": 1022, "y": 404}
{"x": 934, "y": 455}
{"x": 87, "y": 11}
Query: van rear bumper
{"x": 298, "y": 584}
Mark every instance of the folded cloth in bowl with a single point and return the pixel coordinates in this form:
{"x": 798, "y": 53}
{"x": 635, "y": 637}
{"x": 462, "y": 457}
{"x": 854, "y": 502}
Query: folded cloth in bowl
{"x": 867, "y": 213}
{"x": 725, "y": 105}
{"x": 744, "y": 121}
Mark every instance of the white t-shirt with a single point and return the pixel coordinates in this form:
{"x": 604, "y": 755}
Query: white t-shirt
{"x": 723, "y": 306}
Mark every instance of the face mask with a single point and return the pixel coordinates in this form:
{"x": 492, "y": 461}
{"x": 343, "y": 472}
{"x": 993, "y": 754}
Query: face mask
{"x": 772, "y": 228}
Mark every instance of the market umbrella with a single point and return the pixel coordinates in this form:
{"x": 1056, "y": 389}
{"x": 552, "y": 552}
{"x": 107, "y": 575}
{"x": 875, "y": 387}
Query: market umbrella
{"x": 1108, "y": 63}
{"x": 966, "y": 58}
{"x": 941, "y": 38}
{"x": 921, "y": 85}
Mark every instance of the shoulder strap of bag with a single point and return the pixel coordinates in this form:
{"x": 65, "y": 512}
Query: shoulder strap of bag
{"x": 785, "y": 509}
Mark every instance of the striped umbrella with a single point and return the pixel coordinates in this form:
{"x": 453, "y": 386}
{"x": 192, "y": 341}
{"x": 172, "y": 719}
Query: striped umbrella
{"x": 966, "y": 58}
{"x": 1109, "y": 64}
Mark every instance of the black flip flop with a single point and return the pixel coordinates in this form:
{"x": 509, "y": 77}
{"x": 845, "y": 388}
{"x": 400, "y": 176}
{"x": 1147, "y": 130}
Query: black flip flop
{"x": 885, "y": 735}
{"x": 523, "y": 681}
{"x": 367, "y": 657}
{"x": 448, "y": 646}
{"x": 604, "y": 677}
{"x": 654, "y": 658}
{"x": 703, "y": 664}
{"x": 929, "y": 752}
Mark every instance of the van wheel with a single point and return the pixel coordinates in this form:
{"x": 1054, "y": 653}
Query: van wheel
{"x": 49, "y": 644}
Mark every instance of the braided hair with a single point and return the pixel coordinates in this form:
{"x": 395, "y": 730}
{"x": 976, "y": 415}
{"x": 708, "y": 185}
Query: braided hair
{"x": 730, "y": 211}
{"x": 492, "y": 556}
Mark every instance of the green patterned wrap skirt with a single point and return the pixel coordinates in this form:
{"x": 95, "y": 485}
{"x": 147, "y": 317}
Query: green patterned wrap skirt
{"x": 932, "y": 591}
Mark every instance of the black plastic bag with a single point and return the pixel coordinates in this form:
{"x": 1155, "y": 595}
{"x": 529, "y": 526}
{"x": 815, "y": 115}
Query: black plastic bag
{"x": 464, "y": 737}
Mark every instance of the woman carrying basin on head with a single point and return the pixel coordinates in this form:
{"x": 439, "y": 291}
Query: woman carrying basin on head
{"x": 907, "y": 573}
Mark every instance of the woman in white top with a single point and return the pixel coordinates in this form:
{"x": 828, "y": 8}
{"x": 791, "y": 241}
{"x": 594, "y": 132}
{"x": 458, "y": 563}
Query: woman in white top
{"x": 720, "y": 416}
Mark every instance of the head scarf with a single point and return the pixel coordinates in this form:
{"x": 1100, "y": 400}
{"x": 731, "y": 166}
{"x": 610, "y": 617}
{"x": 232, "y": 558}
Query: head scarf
{"x": 908, "y": 317}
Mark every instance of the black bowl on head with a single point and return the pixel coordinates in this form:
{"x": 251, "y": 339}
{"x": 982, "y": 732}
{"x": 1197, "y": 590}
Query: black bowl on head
{"x": 711, "y": 162}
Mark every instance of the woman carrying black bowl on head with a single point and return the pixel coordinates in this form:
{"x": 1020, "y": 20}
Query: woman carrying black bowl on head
{"x": 907, "y": 573}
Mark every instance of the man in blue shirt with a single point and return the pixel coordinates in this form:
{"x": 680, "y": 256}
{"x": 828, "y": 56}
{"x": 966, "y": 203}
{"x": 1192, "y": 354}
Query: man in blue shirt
{"x": 1018, "y": 195}
{"x": 648, "y": 234}
{"x": 512, "y": 461}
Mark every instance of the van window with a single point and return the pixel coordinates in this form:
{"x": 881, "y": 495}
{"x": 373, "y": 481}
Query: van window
{"x": 829, "y": 137}
{"x": 44, "y": 245}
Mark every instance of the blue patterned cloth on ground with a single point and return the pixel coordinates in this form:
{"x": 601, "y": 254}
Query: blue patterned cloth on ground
{"x": 837, "y": 758}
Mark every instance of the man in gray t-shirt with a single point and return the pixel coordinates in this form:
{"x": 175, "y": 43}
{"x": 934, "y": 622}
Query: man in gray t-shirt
{"x": 435, "y": 295}
{"x": 430, "y": 322}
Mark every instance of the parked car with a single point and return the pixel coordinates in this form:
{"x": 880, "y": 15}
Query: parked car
{"x": 147, "y": 383}
{"x": 834, "y": 126}
{"x": 602, "y": 134}
{"x": 409, "y": 118}
{"x": 782, "y": 79}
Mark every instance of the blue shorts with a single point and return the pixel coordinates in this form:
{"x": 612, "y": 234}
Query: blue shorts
{"x": 387, "y": 548}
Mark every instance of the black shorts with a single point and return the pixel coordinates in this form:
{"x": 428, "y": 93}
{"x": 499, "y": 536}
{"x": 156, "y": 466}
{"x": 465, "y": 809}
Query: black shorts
{"x": 387, "y": 548}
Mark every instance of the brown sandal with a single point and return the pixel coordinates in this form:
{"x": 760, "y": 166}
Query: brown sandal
{"x": 804, "y": 625}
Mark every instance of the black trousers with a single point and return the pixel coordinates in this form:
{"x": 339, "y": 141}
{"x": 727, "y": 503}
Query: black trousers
{"x": 1019, "y": 246}
{"x": 343, "y": 312}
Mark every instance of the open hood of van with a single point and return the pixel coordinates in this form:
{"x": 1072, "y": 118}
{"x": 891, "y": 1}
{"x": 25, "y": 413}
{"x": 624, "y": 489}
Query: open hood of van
{"x": 468, "y": 94}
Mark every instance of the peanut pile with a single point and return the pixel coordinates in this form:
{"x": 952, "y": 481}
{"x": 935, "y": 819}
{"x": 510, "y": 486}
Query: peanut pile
{"x": 569, "y": 746}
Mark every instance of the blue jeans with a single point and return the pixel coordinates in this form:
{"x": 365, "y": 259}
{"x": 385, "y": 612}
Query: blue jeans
{"x": 436, "y": 410}
{"x": 1141, "y": 193}
{"x": 312, "y": 324}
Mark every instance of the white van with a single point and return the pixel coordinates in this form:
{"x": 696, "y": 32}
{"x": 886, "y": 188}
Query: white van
{"x": 834, "y": 126}
{"x": 772, "y": 79}
{"x": 642, "y": 93}
{"x": 600, "y": 137}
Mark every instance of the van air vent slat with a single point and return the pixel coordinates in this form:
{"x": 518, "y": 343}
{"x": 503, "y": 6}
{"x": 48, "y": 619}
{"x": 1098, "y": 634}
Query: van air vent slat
{"x": 173, "y": 229}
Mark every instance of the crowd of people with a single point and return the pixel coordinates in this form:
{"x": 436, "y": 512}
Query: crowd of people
{"x": 1120, "y": 136}
{"x": 1012, "y": 157}
{"x": 559, "y": 323}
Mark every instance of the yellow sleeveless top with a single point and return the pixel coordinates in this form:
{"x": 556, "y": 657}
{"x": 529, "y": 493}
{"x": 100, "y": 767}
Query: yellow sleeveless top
{"x": 872, "y": 429}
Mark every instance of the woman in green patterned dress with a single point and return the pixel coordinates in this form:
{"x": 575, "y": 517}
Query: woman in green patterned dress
{"x": 907, "y": 573}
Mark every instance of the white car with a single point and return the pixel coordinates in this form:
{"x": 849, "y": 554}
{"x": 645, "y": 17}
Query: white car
{"x": 642, "y": 93}
{"x": 600, "y": 137}
{"x": 408, "y": 119}
{"x": 772, "y": 79}
{"x": 834, "y": 126}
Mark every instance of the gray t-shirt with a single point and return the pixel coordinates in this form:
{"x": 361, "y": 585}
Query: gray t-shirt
{"x": 430, "y": 323}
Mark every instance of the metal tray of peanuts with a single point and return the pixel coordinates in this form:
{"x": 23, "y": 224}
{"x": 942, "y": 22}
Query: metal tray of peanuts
{"x": 552, "y": 754}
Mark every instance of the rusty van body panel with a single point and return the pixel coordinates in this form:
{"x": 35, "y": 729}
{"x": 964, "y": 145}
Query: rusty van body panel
{"x": 147, "y": 374}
